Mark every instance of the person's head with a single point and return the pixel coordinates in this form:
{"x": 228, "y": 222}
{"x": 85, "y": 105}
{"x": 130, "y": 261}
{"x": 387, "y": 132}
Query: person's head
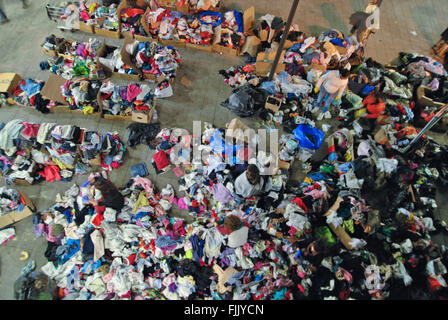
{"x": 345, "y": 73}
{"x": 232, "y": 222}
{"x": 103, "y": 185}
{"x": 253, "y": 174}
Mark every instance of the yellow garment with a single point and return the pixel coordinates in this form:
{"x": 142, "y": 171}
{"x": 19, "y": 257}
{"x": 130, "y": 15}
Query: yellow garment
{"x": 61, "y": 164}
{"x": 92, "y": 7}
{"x": 142, "y": 201}
{"x": 308, "y": 180}
{"x": 87, "y": 110}
{"x": 360, "y": 113}
{"x": 189, "y": 254}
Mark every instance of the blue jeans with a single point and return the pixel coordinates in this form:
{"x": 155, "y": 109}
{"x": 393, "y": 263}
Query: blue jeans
{"x": 3, "y": 15}
{"x": 326, "y": 97}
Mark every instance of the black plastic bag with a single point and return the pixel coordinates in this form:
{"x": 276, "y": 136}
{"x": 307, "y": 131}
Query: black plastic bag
{"x": 244, "y": 101}
{"x": 142, "y": 133}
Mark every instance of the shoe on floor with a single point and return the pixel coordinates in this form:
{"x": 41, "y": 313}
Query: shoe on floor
{"x": 4, "y": 21}
{"x": 327, "y": 115}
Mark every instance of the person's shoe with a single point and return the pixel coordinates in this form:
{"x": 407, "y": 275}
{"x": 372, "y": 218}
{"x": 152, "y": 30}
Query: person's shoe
{"x": 4, "y": 21}
{"x": 26, "y": 5}
{"x": 327, "y": 115}
{"x": 320, "y": 116}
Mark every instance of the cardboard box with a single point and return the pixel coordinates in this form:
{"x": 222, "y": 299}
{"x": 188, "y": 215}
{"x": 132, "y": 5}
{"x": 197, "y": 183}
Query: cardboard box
{"x": 84, "y": 27}
{"x": 251, "y": 46}
{"x": 15, "y": 216}
{"x": 110, "y": 116}
{"x": 9, "y": 81}
{"x": 249, "y": 20}
{"x": 199, "y": 47}
{"x": 424, "y": 101}
{"x": 171, "y": 4}
{"x": 123, "y": 5}
{"x": 143, "y": 117}
{"x": 273, "y": 103}
{"x": 237, "y": 130}
{"x": 99, "y": 30}
{"x": 174, "y": 43}
{"x": 51, "y": 53}
{"x": 265, "y": 60}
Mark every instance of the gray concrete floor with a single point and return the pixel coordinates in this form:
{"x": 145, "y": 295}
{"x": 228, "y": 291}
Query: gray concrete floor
{"x": 20, "y": 53}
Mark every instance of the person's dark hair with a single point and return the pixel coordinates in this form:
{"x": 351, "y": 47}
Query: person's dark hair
{"x": 253, "y": 174}
{"x": 232, "y": 222}
{"x": 345, "y": 73}
{"x": 104, "y": 185}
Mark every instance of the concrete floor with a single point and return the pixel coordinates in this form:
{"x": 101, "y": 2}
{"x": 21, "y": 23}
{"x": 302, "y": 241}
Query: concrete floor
{"x": 20, "y": 53}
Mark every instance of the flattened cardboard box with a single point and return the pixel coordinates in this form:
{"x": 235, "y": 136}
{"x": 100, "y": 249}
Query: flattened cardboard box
{"x": 16, "y": 216}
{"x": 265, "y": 60}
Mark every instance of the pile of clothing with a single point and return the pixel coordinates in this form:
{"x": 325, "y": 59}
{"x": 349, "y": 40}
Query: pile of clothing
{"x": 77, "y": 59}
{"x": 95, "y": 11}
{"x": 35, "y": 152}
{"x": 82, "y": 94}
{"x": 124, "y": 99}
{"x": 237, "y": 76}
{"x": 155, "y": 59}
{"x": 202, "y": 5}
{"x": 10, "y": 201}
{"x": 231, "y": 30}
{"x": 131, "y": 20}
{"x": 28, "y": 93}
{"x": 164, "y": 24}
{"x": 200, "y": 27}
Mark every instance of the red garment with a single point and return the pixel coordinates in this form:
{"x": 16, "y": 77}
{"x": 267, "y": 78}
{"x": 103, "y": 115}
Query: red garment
{"x": 161, "y": 160}
{"x": 18, "y": 90}
{"x": 51, "y": 173}
{"x": 375, "y": 106}
{"x": 301, "y": 204}
{"x": 97, "y": 220}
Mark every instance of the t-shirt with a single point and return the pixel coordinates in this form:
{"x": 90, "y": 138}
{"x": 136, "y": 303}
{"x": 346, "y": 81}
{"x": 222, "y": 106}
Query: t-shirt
{"x": 238, "y": 237}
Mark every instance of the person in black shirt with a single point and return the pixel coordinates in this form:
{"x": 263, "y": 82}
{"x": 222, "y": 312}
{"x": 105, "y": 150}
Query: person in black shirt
{"x": 111, "y": 196}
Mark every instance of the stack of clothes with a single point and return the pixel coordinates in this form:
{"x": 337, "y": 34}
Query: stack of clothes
{"x": 163, "y": 23}
{"x": 155, "y": 59}
{"x": 9, "y": 201}
{"x": 47, "y": 151}
{"x": 124, "y": 99}
{"x": 131, "y": 20}
{"x": 28, "y": 93}
{"x": 95, "y": 11}
{"x": 78, "y": 59}
{"x": 200, "y": 28}
{"x": 82, "y": 95}
{"x": 231, "y": 33}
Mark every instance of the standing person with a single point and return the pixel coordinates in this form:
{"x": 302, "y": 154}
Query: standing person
{"x": 2, "y": 13}
{"x": 330, "y": 87}
{"x": 4, "y": 18}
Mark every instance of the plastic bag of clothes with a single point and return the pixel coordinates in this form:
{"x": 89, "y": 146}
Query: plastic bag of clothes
{"x": 34, "y": 286}
{"x": 142, "y": 133}
{"x": 244, "y": 101}
{"x": 309, "y": 136}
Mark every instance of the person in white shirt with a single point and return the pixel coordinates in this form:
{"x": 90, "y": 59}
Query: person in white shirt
{"x": 331, "y": 87}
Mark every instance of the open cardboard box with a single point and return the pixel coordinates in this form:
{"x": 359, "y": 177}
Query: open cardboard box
{"x": 141, "y": 4}
{"x": 52, "y": 91}
{"x": 264, "y": 62}
{"x": 273, "y": 103}
{"x": 99, "y": 30}
{"x": 248, "y": 19}
{"x": 111, "y": 116}
{"x": 84, "y": 27}
{"x": 15, "y": 216}
{"x": 9, "y": 81}
{"x": 171, "y": 4}
{"x": 143, "y": 117}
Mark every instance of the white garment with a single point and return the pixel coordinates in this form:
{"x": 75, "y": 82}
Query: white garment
{"x": 238, "y": 238}
{"x": 332, "y": 83}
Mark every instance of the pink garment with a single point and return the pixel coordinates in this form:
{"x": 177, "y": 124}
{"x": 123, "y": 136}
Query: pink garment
{"x": 30, "y": 129}
{"x": 144, "y": 183}
{"x": 133, "y": 91}
{"x": 180, "y": 203}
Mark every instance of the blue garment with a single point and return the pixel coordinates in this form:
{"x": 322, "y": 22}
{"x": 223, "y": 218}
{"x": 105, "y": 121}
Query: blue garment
{"x": 316, "y": 176}
{"x": 239, "y": 20}
{"x": 165, "y": 241}
{"x": 68, "y": 250}
{"x": 345, "y": 167}
{"x": 31, "y": 87}
{"x": 198, "y": 248}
